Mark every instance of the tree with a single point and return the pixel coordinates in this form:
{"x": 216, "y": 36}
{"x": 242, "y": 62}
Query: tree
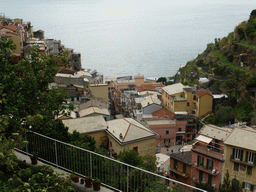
{"x": 228, "y": 187}
{"x": 162, "y": 80}
{"x": 244, "y": 109}
{"x": 238, "y": 78}
{"x": 130, "y": 157}
{"x": 29, "y": 102}
{"x": 226, "y": 114}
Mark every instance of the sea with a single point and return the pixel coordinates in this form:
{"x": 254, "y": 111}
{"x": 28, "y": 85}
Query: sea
{"x": 131, "y": 37}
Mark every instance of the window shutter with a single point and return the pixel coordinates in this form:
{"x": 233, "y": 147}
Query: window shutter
{"x": 254, "y": 160}
{"x": 202, "y": 161}
{"x": 212, "y": 165}
{"x": 246, "y": 156}
{"x": 252, "y": 187}
{"x": 198, "y": 160}
{"x": 233, "y": 154}
{"x": 243, "y": 185}
{"x": 241, "y": 158}
{"x": 207, "y": 164}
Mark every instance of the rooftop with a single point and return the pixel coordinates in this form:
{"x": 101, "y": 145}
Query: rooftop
{"x": 215, "y": 132}
{"x": 86, "y": 124}
{"x": 173, "y": 89}
{"x": 202, "y": 92}
{"x": 130, "y": 129}
{"x": 92, "y": 110}
{"x": 184, "y": 157}
{"x": 242, "y": 137}
{"x": 150, "y": 100}
{"x": 162, "y": 112}
{"x": 161, "y": 122}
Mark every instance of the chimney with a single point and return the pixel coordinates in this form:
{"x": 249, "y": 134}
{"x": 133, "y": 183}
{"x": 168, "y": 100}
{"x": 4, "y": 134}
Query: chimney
{"x": 121, "y": 136}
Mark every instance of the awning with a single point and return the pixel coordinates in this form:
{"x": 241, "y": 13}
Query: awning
{"x": 204, "y": 139}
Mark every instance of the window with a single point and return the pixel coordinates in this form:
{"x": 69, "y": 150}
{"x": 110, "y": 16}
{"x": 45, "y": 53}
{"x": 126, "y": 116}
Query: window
{"x": 254, "y": 188}
{"x": 72, "y": 98}
{"x": 249, "y": 170}
{"x": 210, "y": 164}
{"x": 166, "y": 140}
{"x": 187, "y": 103}
{"x": 247, "y": 185}
{"x": 243, "y": 168}
{"x": 250, "y": 157}
{"x": 175, "y": 175}
{"x": 188, "y": 135}
{"x": 135, "y": 149}
{"x": 175, "y": 164}
{"x": 184, "y": 168}
{"x": 200, "y": 161}
{"x": 238, "y": 154}
{"x": 179, "y": 129}
{"x": 167, "y": 132}
{"x": 110, "y": 143}
{"x": 236, "y": 166}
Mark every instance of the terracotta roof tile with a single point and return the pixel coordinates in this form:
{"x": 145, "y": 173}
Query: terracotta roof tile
{"x": 202, "y": 92}
{"x": 148, "y": 87}
{"x": 162, "y": 112}
{"x": 10, "y": 27}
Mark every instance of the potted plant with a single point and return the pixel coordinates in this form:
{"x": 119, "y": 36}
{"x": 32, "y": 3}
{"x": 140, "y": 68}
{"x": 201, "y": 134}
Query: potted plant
{"x": 96, "y": 184}
{"x": 34, "y": 158}
{"x": 88, "y": 181}
{"x": 82, "y": 180}
{"x": 74, "y": 177}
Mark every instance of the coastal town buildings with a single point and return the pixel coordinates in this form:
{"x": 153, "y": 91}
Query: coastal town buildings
{"x": 208, "y": 155}
{"x": 240, "y": 157}
{"x": 127, "y": 133}
{"x": 181, "y": 99}
{"x": 180, "y": 167}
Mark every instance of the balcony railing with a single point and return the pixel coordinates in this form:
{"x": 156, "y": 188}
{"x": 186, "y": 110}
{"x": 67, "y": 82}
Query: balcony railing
{"x": 114, "y": 174}
{"x": 179, "y": 171}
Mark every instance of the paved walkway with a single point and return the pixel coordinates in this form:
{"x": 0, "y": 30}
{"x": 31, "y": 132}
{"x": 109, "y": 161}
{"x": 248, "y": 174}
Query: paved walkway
{"x": 79, "y": 187}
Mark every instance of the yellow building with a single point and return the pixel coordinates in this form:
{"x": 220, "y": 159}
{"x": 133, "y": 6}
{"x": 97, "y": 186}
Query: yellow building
{"x": 94, "y": 126}
{"x": 99, "y": 91}
{"x": 15, "y": 34}
{"x": 181, "y": 99}
{"x": 127, "y": 133}
{"x": 240, "y": 157}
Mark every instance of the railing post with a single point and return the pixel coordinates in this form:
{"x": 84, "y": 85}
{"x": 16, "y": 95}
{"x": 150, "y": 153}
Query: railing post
{"x": 26, "y": 144}
{"x": 56, "y": 156}
{"x": 91, "y": 163}
{"x": 127, "y": 178}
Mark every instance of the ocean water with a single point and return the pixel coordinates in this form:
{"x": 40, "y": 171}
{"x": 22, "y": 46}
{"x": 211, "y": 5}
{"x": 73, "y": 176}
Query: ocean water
{"x": 121, "y": 37}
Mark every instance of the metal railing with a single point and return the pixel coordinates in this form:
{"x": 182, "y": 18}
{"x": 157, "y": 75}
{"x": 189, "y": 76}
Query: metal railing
{"x": 114, "y": 174}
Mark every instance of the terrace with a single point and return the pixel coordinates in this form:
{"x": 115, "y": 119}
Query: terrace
{"x": 115, "y": 175}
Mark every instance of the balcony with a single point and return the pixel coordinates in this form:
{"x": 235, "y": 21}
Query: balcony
{"x": 115, "y": 175}
{"x": 179, "y": 172}
{"x": 232, "y": 159}
{"x": 214, "y": 153}
{"x": 204, "y": 169}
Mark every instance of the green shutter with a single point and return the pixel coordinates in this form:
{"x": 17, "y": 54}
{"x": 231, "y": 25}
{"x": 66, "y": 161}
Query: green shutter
{"x": 254, "y": 160}
{"x": 209, "y": 179}
{"x": 241, "y": 158}
{"x": 207, "y": 164}
{"x": 203, "y": 162}
{"x": 212, "y": 164}
{"x": 252, "y": 187}
{"x": 198, "y": 160}
{"x": 184, "y": 168}
{"x": 243, "y": 185}
{"x": 233, "y": 154}
{"x": 246, "y": 156}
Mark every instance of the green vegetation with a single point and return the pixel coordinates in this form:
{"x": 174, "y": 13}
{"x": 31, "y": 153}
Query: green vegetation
{"x": 27, "y": 103}
{"x": 230, "y": 65}
{"x": 226, "y": 186}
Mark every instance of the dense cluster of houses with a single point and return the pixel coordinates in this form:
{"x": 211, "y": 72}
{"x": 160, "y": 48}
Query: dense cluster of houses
{"x": 148, "y": 117}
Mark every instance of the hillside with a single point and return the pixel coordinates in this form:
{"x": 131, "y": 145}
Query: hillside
{"x": 230, "y": 65}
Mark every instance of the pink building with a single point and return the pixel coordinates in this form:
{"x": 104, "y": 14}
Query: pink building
{"x": 207, "y": 155}
{"x": 170, "y": 131}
